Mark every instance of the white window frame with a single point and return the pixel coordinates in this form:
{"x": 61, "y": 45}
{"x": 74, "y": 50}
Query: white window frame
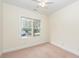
{"x": 20, "y": 26}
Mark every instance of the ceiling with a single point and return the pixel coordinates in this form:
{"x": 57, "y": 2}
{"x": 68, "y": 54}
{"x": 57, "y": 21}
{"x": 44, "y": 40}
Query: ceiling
{"x": 32, "y": 5}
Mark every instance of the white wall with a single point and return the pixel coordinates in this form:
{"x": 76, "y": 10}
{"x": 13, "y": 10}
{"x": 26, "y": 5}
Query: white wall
{"x": 64, "y": 28}
{"x": 11, "y": 17}
{"x": 0, "y": 27}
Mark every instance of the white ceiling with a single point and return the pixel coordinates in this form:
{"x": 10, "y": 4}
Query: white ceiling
{"x": 32, "y": 5}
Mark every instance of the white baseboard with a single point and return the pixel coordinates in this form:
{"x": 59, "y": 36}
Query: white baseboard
{"x": 69, "y": 50}
{"x": 21, "y": 47}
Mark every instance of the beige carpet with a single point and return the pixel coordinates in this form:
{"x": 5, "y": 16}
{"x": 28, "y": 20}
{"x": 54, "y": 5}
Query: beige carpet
{"x": 41, "y": 51}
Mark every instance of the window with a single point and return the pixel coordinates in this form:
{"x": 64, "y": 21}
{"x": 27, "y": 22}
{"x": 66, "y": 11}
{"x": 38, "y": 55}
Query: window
{"x": 36, "y": 27}
{"x": 26, "y": 27}
{"x": 29, "y": 27}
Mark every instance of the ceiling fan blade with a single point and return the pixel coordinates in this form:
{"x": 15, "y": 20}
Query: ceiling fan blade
{"x": 36, "y": 1}
{"x": 49, "y": 2}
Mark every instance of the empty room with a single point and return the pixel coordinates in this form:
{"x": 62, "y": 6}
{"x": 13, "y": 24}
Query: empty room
{"x": 39, "y": 28}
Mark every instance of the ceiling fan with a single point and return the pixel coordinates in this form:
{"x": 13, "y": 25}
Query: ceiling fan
{"x": 43, "y": 3}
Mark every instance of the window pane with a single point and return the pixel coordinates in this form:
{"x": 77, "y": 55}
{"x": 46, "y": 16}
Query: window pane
{"x": 36, "y": 27}
{"x": 26, "y": 27}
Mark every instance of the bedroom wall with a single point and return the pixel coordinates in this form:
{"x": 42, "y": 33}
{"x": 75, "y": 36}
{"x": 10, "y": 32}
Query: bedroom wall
{"x": 11, "y": 39}
{"x": 0, "y": 27}
{"x": 64, "y": 28}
